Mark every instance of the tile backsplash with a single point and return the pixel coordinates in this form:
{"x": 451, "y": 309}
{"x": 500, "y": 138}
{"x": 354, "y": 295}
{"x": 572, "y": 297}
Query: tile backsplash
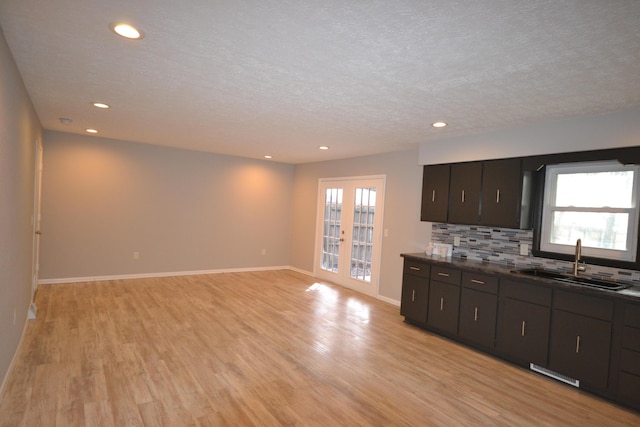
{"x": 502, "y": 246}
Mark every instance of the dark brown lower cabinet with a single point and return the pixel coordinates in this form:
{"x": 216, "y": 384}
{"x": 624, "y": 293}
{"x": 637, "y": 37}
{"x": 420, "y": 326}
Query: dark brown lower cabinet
{"x": 586, "y": 336}
{"x": 580, "y": 347}
{"x": 444, "y": 300}
{"x": 478, "y": 317}
{"x": 415, "y": 294}
{"x": 524, "y": 331}
{"x": 629, "y": 373}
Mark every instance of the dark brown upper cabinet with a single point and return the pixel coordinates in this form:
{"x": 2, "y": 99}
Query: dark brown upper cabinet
{"x": 502, "y": 187}
{"x": 464, "y": 193}
{"x": 435, "y": 193}
{"x": 493, "y": 193}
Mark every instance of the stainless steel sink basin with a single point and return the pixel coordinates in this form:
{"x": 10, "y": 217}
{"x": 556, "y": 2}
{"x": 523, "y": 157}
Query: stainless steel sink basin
{"x": 537, "y": 272}
{"x": 586, "y": 281}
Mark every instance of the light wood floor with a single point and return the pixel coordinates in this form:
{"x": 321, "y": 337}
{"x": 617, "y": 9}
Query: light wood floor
{"x": 265, "y": 348}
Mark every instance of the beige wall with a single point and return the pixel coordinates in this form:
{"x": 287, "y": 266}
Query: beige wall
{"x": 401, "y": 211}
{"x": 181, "y": 210}
{"x": 19, "y": 130}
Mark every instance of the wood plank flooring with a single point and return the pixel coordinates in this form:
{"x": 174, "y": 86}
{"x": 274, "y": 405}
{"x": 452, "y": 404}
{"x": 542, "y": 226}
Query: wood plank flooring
{"x": 267, "y": 349}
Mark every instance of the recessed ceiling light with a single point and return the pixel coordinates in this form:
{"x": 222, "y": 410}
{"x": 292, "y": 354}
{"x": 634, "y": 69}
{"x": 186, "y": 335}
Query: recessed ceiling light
{"x": 323, "y": 147}
{"x": 91, "y": 131}
{"x": 438, "y": 124}
{"x": 65, "y": 121}
{"x": 127, "y": 31}
{"x": 100, "y": 105}
{"x": 268, "y": 157}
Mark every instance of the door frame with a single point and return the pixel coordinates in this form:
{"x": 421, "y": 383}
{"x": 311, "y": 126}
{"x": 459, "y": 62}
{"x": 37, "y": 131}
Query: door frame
{"x": 37, "y": 217}
{"x": 373, "y": 288}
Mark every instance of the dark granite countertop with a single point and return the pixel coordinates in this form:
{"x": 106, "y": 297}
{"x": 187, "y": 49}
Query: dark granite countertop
{"x": 632, "y": 293}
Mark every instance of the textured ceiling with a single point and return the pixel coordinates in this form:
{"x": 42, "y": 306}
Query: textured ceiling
{"x": 282, "y": 77}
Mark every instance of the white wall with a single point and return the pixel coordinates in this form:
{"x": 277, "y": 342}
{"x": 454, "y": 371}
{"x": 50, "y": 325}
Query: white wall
{"x": 618, "y": 129}
{"x": 182, "y": 211}
{"x": 19, "y": 130}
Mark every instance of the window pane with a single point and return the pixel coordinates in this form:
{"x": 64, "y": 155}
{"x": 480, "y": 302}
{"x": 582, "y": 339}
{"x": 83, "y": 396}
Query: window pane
{"x": 596, "y": 229}
{"x": 595, "y": 190}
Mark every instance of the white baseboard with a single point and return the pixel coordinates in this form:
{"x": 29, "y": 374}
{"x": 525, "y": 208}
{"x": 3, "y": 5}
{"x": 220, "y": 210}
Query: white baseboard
{"x": 153, "y": 275}
{"x": 389, "y": 300}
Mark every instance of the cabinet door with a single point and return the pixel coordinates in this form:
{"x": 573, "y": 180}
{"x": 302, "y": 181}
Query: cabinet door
{"x": 415, "y": 295}
{"x": 464, "y": 193}
{"x": 435, "y": 193}
{"x": 478, "y": 316}
{"x": 444, "y": 300}
{"x": 501, "y": 193}
{"x": 580, "y": 347}
{"x": 524, "y": 331}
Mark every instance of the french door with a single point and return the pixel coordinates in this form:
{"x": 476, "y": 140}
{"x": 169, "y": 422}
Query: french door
{"x": 349, "y": 232}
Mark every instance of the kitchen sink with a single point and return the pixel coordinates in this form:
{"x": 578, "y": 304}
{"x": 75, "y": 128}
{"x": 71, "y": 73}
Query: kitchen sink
{"x": 586, "y": 281}
{"x": 541, "y": 273}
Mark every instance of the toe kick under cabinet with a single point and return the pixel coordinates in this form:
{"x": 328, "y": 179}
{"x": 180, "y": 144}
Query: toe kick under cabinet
{"x": 592, "y": 337}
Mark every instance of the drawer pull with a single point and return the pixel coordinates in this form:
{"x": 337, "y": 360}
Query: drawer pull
{"x": 475, "y": 314}
{"x": 478, "y": 282}
{"x": 578, "y": 344}
{"x": 462, "y": 196}
{"x": 433, "y": 196}
{"x": 441, "y": 304}
{"x": 413, "y": 295}
{"x": 443, "y": 274}
{"x": 524, "y": 326}
{"x": 498, "y": 196}
{"x": 414, "y": 268}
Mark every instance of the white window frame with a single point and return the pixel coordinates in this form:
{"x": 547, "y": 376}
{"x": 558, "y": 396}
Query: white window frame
{"x": 552, "y": 173}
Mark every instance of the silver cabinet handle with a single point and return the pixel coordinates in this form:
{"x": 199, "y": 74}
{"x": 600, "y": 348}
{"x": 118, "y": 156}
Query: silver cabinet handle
{"x": 462, "y": 196}
{"x": 578, "y": 344}
{"x": 475, "y": 314}
{"x": 479, "y": 282}
{"x": 413, "y": 295}
{"x": 443, "y": 274}
{"x": 498, "y": 196}
{"x": 433, "y": 195}
{"x": 524, "y": 325}
{"x": 414, "y": 268}
{"x": 441, "y": 304}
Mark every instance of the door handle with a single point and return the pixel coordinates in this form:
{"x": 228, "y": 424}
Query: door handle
{"x": 38, "y": 232}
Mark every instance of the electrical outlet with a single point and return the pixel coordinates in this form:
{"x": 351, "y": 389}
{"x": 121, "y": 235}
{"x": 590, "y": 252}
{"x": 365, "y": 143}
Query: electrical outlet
{"x": 524, "y": 249}
{"x": 264, "y": 252}
{"x": 136, "y": 255}
{"x": 456, "y": 241}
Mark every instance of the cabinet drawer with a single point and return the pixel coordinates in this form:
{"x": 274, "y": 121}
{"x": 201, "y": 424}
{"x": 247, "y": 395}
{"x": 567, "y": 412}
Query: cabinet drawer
{"x": 632, "y": 315}
{"x": 480, "y": 282}
{"x": 630, "y": 362}
{"x": 445, "y": 275}
{"x": 631, "y": 338}
{"x": 416, "y": 268}
{"x": 525, "y": 292}
{"x": 629, "y": 386}
{"x": 599, "y": 308}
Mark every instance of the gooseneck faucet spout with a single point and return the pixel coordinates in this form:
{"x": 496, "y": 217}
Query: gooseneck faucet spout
{"x": 576, "y": 263}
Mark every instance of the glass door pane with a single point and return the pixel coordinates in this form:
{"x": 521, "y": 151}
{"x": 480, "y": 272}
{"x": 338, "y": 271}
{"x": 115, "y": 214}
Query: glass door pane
{"x": 332, "y": 233}
{"x": 362, "y": 236}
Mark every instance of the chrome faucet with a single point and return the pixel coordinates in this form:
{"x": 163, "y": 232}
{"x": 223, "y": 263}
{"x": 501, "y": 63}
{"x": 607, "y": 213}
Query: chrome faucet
{"x": 576, "y": 263}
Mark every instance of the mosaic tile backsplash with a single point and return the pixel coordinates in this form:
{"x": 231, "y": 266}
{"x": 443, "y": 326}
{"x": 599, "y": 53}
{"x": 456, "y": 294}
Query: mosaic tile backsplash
{"x": 502, "y": 246}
